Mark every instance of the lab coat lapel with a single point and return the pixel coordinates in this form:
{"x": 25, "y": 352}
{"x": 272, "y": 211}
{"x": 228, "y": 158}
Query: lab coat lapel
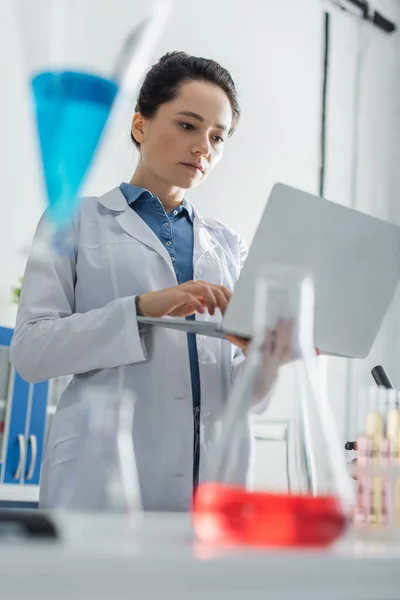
{"x": 204, "y": 240}
{"x": 132, "y": 224}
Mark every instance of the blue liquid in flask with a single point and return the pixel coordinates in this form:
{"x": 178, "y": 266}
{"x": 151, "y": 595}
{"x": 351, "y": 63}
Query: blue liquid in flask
{"x": 72, "y": 109}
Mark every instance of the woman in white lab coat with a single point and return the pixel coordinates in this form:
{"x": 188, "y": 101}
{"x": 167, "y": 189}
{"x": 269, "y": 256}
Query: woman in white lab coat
{"x": 143, "y": 248}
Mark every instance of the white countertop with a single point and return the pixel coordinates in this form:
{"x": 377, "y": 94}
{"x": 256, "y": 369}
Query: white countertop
{"x": 102, "y": 557}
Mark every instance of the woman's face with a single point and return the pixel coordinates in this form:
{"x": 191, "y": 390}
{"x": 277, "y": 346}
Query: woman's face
{"x": 184, "y": 141}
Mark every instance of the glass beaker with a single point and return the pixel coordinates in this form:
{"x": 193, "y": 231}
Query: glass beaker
{"x": 106, "y": 475}
{"x": 279, "y": 380}
{"x": 85, "y": 60}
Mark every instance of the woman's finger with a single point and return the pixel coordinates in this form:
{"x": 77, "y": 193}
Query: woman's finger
{"x": 214, "y": 286}
{"x": 208, "y": 295}
{"x": 221, "y": 300}
{"x": 192, "y": 301}
{"x": 226, "y": 292}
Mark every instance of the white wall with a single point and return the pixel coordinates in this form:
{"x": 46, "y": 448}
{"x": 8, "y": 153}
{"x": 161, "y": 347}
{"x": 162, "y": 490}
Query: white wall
{"x": 274, "y": 51}
{"x": 20, "y": 204}
{"x": 393, "y": 320}
{"x": 362, "y": 165}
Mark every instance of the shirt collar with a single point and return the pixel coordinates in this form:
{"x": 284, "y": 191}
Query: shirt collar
{"x": 132, "y": 193}
{"x": 188, "y": 207}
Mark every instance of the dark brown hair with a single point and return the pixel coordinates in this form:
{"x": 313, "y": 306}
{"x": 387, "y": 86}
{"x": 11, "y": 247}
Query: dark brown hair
{"x": 164, "y": 79}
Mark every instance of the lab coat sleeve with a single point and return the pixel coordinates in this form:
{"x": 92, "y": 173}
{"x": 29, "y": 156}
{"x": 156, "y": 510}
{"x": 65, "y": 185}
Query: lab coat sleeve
{"x": 50, "y": 339}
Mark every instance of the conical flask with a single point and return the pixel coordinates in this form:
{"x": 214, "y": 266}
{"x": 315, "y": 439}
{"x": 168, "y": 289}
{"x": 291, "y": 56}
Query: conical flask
{"x": 106, "y": 477}
{"x": 84, "y": 60}
{"x": 240, "y": 500}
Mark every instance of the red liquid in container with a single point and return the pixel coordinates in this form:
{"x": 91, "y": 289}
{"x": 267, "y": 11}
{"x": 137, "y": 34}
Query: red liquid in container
{"x": 232, "y": 515}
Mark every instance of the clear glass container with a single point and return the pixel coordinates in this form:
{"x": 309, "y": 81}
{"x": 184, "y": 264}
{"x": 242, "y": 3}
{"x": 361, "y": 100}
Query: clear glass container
{"x": 280, "y": 380}
{"x": 79, "y": 85}
{"x": 106, "y": 477}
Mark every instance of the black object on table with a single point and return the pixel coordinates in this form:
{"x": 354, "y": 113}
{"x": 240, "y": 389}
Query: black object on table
{"x": 26, "y": 524}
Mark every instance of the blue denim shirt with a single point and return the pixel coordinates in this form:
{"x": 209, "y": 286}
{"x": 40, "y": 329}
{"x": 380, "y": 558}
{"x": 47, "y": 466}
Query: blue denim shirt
{"x": 175, "y": 232}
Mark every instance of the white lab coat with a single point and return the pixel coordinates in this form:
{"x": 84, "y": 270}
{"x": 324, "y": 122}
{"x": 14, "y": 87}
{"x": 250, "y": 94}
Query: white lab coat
{"x": 77, "y": 316}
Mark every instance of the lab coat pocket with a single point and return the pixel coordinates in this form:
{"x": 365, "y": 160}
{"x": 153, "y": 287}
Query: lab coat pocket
{"x": 66, "y": 450}
{"x": 135, "y": 268}
{"x": 58, "y": 475}
{"x": 216, "y": 271}
{"x": 67, "y": 435}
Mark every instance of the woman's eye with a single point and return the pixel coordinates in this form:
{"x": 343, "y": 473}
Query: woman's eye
{"x": 187, "y": 126}
{"x": 218, "y": 138}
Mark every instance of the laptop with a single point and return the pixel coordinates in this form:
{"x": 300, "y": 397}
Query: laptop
{"x": 353, "y": 258}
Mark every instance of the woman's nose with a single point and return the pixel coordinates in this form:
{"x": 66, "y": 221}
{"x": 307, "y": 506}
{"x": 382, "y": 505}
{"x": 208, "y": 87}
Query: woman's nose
{"x": 202, "y": 146}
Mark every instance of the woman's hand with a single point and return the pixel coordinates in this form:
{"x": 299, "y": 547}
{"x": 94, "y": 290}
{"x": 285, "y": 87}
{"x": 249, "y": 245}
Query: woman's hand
{"x": 279, "y": 346}
{"x": 185, "y": 299}
{"x": 240, "y": 342}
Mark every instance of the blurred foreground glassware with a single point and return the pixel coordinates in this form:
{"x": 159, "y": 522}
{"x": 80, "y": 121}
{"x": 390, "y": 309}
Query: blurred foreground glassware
{"x": 280, "y": 374}
{"x": 106, "y": 476}
{"x": 85, "y": 61}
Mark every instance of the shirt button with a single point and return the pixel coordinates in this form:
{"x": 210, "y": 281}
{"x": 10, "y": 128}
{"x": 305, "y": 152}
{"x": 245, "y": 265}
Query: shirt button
{"x": 169, "y": 243}
{"x": 166, "y": 224}
{"x": 175, "y": 213}
{"x": 173, "y": 258}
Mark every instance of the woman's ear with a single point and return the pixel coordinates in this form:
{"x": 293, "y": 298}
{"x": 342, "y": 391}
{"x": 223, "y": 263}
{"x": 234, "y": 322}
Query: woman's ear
{"x": 138, "y": 127}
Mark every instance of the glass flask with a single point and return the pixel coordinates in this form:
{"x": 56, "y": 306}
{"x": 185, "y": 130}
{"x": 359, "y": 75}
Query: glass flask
{"x": 85, "y": 60}
{"x": 106, "y": 476}
{"x": 239, "y": 500}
